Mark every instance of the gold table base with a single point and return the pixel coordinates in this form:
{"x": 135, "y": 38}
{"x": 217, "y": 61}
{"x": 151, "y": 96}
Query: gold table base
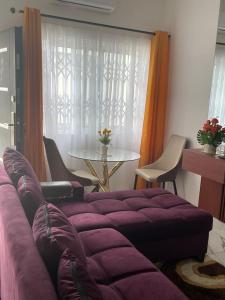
{"x": 106, "y": 174}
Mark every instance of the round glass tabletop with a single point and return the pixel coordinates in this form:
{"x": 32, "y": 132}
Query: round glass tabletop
{"x": 113, "y": 155}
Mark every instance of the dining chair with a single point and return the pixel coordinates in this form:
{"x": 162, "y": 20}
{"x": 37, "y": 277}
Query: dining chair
{"x": 166, "y": 167}
{"x": 59, "y": 171}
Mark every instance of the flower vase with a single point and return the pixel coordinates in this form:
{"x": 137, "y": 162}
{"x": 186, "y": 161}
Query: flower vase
{"x": 209, "y": 149}
{"x": 104, "y": 150}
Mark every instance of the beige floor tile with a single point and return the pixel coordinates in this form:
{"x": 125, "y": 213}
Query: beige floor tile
{"x": 220, "y": 257}
{"x": 216, "y": 242}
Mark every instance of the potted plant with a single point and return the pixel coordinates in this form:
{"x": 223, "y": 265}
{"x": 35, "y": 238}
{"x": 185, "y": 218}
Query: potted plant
{"x": 105, "y": 138}
{"x": 211, "y": 136}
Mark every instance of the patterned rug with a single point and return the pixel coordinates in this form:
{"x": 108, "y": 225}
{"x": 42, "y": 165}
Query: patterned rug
{"x": 198, "y": 281}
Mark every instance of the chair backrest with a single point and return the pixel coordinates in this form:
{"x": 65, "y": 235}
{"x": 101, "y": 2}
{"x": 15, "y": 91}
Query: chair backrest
{"x": 57, "y": 167}
{"x": 172, "y": 154}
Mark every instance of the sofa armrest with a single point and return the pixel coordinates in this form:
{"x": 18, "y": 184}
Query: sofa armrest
{"x": 55, "y": 191}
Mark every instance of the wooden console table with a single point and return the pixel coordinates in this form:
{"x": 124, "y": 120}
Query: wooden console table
{"x": 212, "y": 171}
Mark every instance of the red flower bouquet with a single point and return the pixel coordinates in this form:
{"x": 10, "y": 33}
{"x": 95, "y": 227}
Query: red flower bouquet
{"x": 212, "y": 133}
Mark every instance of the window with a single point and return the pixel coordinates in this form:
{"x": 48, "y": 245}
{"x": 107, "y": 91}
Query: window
{"x": 217, "y": 97}
{"x": 93, "y": 79}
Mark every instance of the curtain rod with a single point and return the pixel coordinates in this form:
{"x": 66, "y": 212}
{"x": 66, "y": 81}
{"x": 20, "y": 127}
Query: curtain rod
{"x": 13, "y": 10}
{"x": 221, "y": 29}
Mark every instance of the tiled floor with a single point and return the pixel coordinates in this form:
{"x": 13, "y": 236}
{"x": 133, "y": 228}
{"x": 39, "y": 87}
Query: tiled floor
{"x": 216, "y": 246}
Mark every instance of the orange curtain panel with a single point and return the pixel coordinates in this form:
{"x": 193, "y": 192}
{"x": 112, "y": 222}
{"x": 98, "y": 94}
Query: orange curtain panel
{"x": 155, "y": 107}
{"x": 33, "y": 101}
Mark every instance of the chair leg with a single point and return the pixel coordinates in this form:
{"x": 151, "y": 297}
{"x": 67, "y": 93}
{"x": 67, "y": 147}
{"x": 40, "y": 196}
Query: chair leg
{"x": 135, "y": 181}
{"x": 201, "y": 257}
{"x": 174, "y": 187}
{"x": 148, "y": 184}
{"x": 96, "y": 188}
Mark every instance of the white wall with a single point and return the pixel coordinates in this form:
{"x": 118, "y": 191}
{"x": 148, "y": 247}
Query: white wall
{"x": 193, "y": 27}
{"x": 143, "y": 14}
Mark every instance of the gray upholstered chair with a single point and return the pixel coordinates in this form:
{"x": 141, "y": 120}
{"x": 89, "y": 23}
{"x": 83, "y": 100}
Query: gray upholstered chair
{"x": 166, "y": 167}
{"x": 59, "y": 171}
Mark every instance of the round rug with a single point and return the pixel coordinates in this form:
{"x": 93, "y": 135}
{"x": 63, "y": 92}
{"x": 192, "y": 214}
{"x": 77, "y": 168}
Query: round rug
{"x": 197, "y": 280}
{"x": 209, "y": 274}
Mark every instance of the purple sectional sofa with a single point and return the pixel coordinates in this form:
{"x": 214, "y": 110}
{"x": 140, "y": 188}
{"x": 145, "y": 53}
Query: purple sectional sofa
{"x": 91, "y": 246}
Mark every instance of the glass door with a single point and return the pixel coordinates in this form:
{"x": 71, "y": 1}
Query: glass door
{"x": 11, "y": 86}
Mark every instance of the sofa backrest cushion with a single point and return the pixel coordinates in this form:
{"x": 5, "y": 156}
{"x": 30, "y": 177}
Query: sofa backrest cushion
{"x": 22, "y": 272}
{"x": 16, "y": 165}
{"x": 30, "y": 196}
{"x": 4, "y": 177}
{"x": 74, "y": 281}
{"x": 53, "y": 233}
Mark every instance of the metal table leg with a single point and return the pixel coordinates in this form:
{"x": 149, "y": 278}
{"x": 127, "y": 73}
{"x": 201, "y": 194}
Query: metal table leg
{"x": 106, "y": 174}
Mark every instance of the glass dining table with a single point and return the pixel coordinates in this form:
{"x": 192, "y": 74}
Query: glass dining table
{"x": 116, "y": 156}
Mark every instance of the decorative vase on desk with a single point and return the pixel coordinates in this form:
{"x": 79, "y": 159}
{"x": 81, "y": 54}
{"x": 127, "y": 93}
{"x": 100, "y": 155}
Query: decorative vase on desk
{"x": 211, "y": 136}
{"x": 209, "y": 149}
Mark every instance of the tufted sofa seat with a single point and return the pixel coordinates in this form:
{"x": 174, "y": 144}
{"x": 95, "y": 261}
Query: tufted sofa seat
{"x": 116, "y": 266}
{"x": 147, "y": 218}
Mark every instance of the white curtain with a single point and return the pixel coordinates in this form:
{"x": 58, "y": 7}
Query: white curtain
{"x": 217, "y": 97}
{"x": 93, "y": 79}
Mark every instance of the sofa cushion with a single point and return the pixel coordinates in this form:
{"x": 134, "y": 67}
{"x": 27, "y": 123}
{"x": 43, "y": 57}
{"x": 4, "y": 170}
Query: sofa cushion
{"x": 53, "y": 233}
{"x": 23, "y": 273}
{"x": 120, "y": 270}
{"x": 30, "y": 196}
{"x": 155, "y": 213}
{"x": 111, "y": 256}
{"x": 74, "y": 281}
{"x": 100, "y": 240}
{"x": 4, "y": 177}
{"x": 146, "y": 286}
{"x": 88, "y": 221}
{"x": 16, "y": 165}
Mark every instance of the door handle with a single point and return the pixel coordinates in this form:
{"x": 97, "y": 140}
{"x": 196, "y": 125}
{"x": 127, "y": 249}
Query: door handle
{"x": 6, "y": 125}
{"x": 11, "y": 127}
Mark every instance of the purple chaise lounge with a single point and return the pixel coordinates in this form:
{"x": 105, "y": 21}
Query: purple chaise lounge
{"x": 105, "y": 227}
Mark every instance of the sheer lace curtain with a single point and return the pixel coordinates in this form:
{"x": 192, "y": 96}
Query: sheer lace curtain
{"x": 93, "y": 79}
{"x": 217, "y": 97}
